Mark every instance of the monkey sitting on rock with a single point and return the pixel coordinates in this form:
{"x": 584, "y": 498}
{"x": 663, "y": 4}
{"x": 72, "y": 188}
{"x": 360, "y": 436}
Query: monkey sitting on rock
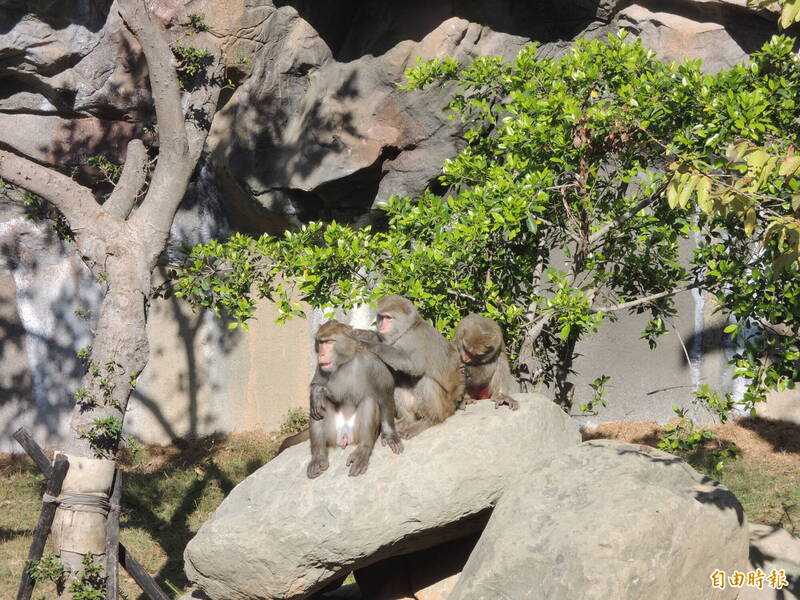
{"x": 428, "y": 383}
{"x": 351, "y": 400}
{"x": 480, "y": 346}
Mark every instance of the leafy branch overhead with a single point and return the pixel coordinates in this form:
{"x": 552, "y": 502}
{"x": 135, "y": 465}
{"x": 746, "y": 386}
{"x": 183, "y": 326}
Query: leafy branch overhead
{"x": 569, "y": 204}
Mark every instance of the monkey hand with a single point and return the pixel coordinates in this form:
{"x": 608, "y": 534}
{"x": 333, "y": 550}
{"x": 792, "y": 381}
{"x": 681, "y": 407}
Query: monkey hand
{"x": 502, "y": 399}
{"x": 358, "y": 461}
{"x": 316, "y": 467}
{"x": 393, "y": 441}
{"x": 465, "y": 401}
{"x": 317, "y": 395}
{"x": 365, "y": 335}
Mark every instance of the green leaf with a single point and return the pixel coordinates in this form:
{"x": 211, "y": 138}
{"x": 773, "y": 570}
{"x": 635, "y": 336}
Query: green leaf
{"x": 703, "y": 189}
{"x": 686, "y": 190}
{"x": 732, "y": 328}
{"x": 564, "y": 333}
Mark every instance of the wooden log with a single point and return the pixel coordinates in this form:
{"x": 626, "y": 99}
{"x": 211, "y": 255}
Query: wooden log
{"x": 34, "y": 451}
{"x": 112, "y": 539}
{"x": 59, "y": 470}
{"x": 140, "y": 576}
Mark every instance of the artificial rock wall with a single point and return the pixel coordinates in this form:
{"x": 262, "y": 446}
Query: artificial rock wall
{"x": 312, "y": 127}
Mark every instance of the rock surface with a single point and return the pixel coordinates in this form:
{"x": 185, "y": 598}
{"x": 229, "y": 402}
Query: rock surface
{"x": 773, "y": 548}
{"x": 281, "y": 535}
{"x": 608, "y": 520}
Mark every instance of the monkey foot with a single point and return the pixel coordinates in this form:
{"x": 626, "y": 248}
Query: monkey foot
{"x": 408, "y": 431}
{"x": 358, "y": 462}
{"x": 316, "y": 468}
{"x": 394, "y": 442}
{"x": 465, "y": 401}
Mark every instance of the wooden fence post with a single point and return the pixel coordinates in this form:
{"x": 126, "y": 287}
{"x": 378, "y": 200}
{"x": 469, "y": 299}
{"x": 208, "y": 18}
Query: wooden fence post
{"x": 49, "y": 506}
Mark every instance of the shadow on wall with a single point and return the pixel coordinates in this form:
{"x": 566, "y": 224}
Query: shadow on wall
{"x": 47, "y": 311}
{"x": 91, "y": 15}
{"x": 319, "y": 125}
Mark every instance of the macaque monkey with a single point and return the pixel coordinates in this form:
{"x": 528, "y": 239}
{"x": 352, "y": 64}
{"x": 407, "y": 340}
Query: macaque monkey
{"x": 479, "y": 342}
{"x": 428, "y": 383}
{"x": 351, "y": 399}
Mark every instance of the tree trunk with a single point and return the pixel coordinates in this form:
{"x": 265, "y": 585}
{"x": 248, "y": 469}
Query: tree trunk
{"x": 120, "y": 242}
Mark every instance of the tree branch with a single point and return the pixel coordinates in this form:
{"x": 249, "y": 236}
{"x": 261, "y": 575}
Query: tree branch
{"x": 134, "y": 174}
{"x": 163, "y": 80}
{"x": 75, "y": 202}
{"x": 181, "y": 139}
{"x": 627, "y": 215}
{"x": 644, "y": 300}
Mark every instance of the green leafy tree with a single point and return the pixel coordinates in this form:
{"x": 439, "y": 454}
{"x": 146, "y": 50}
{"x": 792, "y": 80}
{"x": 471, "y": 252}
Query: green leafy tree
{"x": 562, "y": 210}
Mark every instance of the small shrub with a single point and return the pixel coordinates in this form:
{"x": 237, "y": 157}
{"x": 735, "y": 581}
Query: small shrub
{"x": 197, "y": 23}
{"x": 109, "y": 170}
{"x": 191, "y": 62}
{"x": 296, "y": 420}
{"x": 90, "y": 583}
{"x": 104, "y": 434}
{"x": 47, "y": 568}
{"x": 37, "y": 209}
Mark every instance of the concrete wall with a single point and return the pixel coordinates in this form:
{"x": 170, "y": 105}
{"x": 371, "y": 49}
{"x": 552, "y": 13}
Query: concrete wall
{"x": 202, "y": 377}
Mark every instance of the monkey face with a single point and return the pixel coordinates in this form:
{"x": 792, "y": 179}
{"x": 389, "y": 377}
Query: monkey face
{"x": 385, "y": 323}
{"x": 475, "y": 355}
{"x": 326, "y": 355}
{"x": 334, "y": 345}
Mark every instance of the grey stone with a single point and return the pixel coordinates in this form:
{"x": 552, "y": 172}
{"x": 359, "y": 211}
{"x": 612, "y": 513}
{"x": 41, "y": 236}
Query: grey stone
{"x": 773, "y": 548}
{"x": 281, "y": 535}
{"x": 607, "y": 520}
{"x": 720, "y": 42}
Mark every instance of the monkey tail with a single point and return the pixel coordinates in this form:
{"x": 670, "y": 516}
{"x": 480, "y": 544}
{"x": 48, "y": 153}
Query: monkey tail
{"x": 293, "y": 440}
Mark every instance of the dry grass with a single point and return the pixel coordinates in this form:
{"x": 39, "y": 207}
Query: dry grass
{"x": 168, "y": 492}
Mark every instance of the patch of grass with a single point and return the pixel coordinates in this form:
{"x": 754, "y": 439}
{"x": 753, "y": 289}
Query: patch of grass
{"x": 168, "y": 492}
{"x": 769, "y": 492}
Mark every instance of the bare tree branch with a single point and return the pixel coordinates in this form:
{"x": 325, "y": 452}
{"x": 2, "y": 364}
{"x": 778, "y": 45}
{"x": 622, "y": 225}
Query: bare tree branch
{"x": 627, "y": 215}
{"x": 178, "y": 150}
{"x": 134, "y": 173}
{"x": 163, "y": 80}
{"x": 645, "y": 299}
{"x": 75, "y": 202}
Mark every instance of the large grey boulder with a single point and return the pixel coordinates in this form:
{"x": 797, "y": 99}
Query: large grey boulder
{"x": 608, "y": 520}
{"x": 280, "y": 535}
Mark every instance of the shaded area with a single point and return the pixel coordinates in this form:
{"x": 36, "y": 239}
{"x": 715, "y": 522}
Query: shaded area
{"x": 171, "y": 490}
{"x": 355, "y": 28}
{"x": 783, "y": 436}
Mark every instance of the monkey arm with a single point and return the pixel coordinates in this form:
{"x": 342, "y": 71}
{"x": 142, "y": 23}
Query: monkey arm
{"x": 396, "y": 359}
{"x": 317, "y": 394}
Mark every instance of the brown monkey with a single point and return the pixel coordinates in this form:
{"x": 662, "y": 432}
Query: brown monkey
{"x": 428, "y": 384}
{"x": 479, "y": 342}
{"x": 351, "y": 400}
